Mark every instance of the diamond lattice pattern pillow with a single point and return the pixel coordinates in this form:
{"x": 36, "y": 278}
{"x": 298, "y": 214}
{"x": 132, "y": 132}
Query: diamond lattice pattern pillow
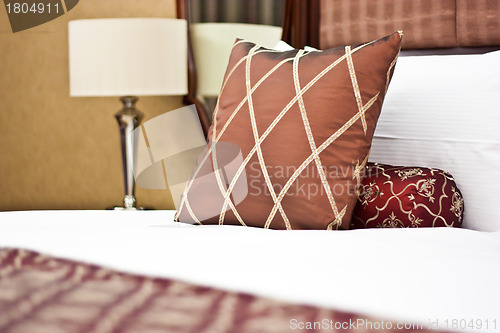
{"x": 291, "y": 133}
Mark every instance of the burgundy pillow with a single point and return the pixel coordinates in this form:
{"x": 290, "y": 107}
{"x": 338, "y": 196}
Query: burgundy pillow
{"x": 399, "y": 197}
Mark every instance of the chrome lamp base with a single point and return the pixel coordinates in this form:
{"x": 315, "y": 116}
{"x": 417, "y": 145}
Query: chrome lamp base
{"x": 128, "y": 119}
{"x": 128, "y": 204}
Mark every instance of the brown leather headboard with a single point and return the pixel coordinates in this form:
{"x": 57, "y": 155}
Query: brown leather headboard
{"x": 426, "y": 23}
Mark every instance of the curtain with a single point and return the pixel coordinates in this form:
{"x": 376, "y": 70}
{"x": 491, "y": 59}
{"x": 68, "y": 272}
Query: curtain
{"x": 268, "y": 12}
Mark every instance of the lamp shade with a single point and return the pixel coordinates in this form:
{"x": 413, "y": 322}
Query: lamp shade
{"x": 128, "y": 56}
{"x": 212, "y": 44}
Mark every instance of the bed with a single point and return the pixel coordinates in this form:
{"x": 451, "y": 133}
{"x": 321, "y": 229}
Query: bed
{"x": 139, "y": 271}
{"x": 225, "y": 283}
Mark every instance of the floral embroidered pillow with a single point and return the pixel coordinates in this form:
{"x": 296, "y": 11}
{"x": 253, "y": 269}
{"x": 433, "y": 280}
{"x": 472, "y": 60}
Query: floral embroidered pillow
{"x": 414, "y": 197}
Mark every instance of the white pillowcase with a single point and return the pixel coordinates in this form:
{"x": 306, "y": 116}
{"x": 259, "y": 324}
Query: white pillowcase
{"x": 284, "y": 46}
{"x": 444, "y": 112}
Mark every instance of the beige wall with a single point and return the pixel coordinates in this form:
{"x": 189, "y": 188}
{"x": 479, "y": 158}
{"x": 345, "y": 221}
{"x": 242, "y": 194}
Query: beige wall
{"x": 57, "y": 151}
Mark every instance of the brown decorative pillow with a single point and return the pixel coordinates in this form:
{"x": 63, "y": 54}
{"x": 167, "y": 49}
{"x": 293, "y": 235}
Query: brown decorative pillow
{"x": 399, "y": 197}
{"x": 302, "y": 124}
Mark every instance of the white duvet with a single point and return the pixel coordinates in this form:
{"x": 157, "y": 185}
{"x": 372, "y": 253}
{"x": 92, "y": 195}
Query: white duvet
{"x": 438, "y": 276}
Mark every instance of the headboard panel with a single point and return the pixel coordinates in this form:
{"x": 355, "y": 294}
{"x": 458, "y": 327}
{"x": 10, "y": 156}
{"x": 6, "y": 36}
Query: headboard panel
{"x": 427, "y": 24}
{"x": 478, "y": 23}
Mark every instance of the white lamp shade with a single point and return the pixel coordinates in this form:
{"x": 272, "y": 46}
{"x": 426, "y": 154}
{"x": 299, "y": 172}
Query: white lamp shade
{"x": 128, "y": 56}
{"x": 212, "y": 44}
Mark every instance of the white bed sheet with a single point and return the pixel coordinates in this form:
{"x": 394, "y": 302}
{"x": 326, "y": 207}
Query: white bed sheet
{"x": 422, "y": 275}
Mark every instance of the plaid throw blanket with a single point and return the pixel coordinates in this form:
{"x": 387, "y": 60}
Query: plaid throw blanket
{"x": 39, "y": 293}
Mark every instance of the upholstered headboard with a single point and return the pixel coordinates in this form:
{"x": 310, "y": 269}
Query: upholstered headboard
{"x": 427, "y": 24}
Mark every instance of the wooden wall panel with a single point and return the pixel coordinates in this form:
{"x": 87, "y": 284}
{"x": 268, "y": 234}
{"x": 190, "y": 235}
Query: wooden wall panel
{"x": 57, "y": 151}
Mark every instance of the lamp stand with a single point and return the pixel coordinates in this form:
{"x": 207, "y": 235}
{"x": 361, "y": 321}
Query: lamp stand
{"x": 128, "y": 119}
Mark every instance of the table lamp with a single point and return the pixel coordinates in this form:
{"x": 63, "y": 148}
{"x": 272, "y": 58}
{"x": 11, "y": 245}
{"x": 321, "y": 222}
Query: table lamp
{"x": 212, "y": 44}
{"x": 128, "y": 57}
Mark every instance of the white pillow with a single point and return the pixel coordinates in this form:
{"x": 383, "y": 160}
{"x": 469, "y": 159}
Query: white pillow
{"x": 284, "y": 46}
{"x": 444, "y": 112}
